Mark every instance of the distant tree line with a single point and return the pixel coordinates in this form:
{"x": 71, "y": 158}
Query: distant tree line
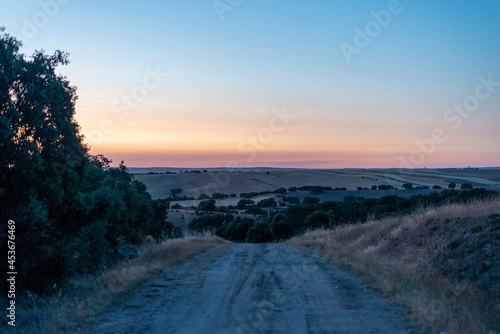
{"x": 297, "y": 219}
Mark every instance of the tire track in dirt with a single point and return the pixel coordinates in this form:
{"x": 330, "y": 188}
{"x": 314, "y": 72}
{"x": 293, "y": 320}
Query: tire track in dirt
{"x": 249, "y": 288}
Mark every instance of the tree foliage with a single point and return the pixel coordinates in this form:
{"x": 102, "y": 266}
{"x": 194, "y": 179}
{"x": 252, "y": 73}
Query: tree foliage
{"x": 70, "y": 208}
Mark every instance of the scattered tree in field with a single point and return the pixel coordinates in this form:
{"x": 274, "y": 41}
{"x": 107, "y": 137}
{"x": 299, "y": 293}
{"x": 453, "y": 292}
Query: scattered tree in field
{"x": 268, "y": 203}
{"x": 317, "y": 190}
{"x": 175, "y": 192}
{"x": 255, "y": 210}
{"x": 291, "y": 200}
{"x": 244, "y": 203}
{"x": 280, "y": 191}
{"x": 207, "y": 205}
{"x": 436, "y": 187}
{"x": 466, "y": 186}
{"x": 407, "y": 186}
{"x": 219, "y": 196}
{"x": 310, "y": 200}
{"x": 452, "y": 185}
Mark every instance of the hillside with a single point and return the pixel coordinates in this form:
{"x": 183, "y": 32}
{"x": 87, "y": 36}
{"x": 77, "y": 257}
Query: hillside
{"x": 237, "y": 182}
{"x": 442, "y": 263}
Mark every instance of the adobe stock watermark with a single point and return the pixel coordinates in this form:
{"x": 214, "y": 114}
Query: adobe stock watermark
{"x": 223, "y": 6}
{"x": 48, "y": 10}
{"x": 251, "y": 146}
{"x": 453, "y": 116}
{"x": 364, "y": 36}
{"x": 254, "y": 144}
{"x": 121, "y": 106}
{"x": 126, "y": 102}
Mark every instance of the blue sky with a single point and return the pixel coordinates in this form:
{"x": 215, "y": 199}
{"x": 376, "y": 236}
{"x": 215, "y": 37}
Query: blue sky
{"x": 226, "y": 76}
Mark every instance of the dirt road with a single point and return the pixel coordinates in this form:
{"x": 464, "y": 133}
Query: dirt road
{"x": 249, "y": 288}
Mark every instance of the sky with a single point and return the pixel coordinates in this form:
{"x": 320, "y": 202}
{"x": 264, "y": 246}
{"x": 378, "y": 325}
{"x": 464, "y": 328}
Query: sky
{"x": 305, "y": 84}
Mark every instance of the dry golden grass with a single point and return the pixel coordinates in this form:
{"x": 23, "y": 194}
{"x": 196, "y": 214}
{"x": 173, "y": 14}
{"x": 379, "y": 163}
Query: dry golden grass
{"x": 90, "y": 296}
{"x": 442, "y": 263}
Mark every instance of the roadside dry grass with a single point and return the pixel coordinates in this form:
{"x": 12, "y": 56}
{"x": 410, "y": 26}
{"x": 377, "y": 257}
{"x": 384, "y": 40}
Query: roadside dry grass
{"x": 442, "y": 263}
{"x": 88, "y": 297}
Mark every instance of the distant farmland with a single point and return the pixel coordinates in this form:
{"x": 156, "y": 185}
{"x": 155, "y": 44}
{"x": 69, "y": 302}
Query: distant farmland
{"x": 238, "y": 182}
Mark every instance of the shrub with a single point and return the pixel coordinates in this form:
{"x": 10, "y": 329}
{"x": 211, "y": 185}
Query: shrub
{"x": 237, "y": 229}
{"x": 317, "y": 219}
{"x": 260, "y": 233}
{"x": 281, "y": 227}
{"x": 292, "y": 200}
{"x": 267, "y": 203}
{"x": 408, "y": 186}
{"x": 243, "y": 203}
{"x": 209, "y": 223}
{"x": 255, "y": 210}
{"x": 280, "y": 191}
{"x": 466, "y": 186}
{"x": 207, "y": 205}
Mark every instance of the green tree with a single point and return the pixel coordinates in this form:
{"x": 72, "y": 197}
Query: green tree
{"x": 466, "y": 186}
{"x": 175, "y": 192}
{"x": 244, "y": 203}
{"x": 208, "y": 205}
{"x": 317, "y": 219}
{"x": 452, "y": 185}
{"x": 310, "y": 200}
{"x": 260, "y": 233}
{"x": 408, "y": 186}
{"x": 237, "y": 229}
{"x": 281, "y": 227}
{"x": 70, "y": 208}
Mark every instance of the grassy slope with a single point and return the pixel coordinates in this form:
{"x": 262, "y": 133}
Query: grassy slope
{"x": 88, "y": 297}
{"x": 442, "y": 263}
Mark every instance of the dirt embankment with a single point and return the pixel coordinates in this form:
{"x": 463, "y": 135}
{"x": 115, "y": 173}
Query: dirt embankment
{"x": 249, "y": 288}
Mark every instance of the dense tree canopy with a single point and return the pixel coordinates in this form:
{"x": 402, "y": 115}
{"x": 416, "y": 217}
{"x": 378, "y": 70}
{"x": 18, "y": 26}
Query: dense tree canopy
{"x": 71, "y": 210}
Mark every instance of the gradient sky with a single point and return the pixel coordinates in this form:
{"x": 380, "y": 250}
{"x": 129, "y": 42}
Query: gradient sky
{"x": 230, "y": 72}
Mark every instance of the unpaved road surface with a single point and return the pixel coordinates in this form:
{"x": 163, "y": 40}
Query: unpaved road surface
{"x": 252, "y": 288}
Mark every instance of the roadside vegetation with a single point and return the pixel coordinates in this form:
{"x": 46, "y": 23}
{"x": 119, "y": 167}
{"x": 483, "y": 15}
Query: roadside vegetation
{"x": 85, "y": 297}
{"x": 71, "y": 211}
{"x": 443, "y": 263}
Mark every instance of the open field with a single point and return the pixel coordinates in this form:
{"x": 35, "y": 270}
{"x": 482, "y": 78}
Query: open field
{"x": 238, "y": 182}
